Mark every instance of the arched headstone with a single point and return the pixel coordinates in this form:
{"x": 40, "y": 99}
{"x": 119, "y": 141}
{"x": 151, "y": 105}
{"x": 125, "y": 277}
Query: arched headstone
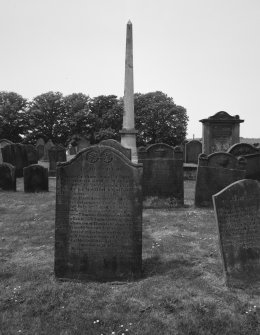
{"x": 35, "y": 178}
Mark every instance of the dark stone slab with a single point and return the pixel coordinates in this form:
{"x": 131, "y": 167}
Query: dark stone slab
{"x": 40, "y": 144}
{"x": 32, "y": 155}
{"x": 118, "y": 146}
{"x": 163, "y": 173}
{"x": 47, "y": 147}
{"x": 35, "y": 178}
{"x": 98, "y": 226}
{"x": 7, "y": 177}
{"x": 16, "y": 155}
{"x": 56, "y": 154}
{"x": 214, "y": 173}
{"x": 237, "y": 209}
{"x": 192, "y": 151}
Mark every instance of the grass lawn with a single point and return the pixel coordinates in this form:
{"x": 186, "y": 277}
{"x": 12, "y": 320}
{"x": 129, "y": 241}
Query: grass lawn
{"x": 182, "y": 290}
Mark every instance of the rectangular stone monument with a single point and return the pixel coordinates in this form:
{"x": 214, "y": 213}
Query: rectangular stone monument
{"x": 35, "y": 178}
{"x": 214, "y": 173}
{"x": 56, "y": 154}
{"x": 237, "y": 211}
{"x": 7, "y": 177}
{"x": 163, "y": 175}
{"x": 193, "y": 149}
{"x": 98, "y": 226}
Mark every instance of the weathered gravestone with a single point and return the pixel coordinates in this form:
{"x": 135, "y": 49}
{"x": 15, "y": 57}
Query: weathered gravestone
{"x": 237, "y": 211}
{"x": 214, "y": 173}
{"x": 47, "y": 147}
{"x": 16, "y": 155}
{"x": 3, "y": 143}
{"x": 35, "y": 178}
{"x": 32, "y": 155}
{"x": 163, "y": 175}
{"x": 193, "y": 149}
{"x": 141, "y": 153}
{"x": 56, "y": 154}
{"x": 98, "y": 227}
{"x": 118, "y": 146}
{"x": 7, "y": 177}
{"x": 220, "y": 131}
{"x": 83, "y": 143}
{"x": 40, "y": 144}
{"x": 252, "y": 157}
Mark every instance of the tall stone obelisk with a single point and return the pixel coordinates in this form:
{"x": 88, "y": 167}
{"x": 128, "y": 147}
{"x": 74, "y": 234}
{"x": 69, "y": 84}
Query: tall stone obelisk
{"x": 128, "y": 132}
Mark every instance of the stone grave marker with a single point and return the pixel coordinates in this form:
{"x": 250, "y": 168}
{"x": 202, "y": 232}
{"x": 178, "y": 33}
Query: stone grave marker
{"x": 163, "y": 175}
{"x": 40, "y": 144}
{"x": 242, "y": 149}
{"x": 47, "y": 147}
{"x": 16, "y": 155}
{"x": 4, "y": 142}
{"x": 141, "y": 152}
{"x": 83, "y": 143}
{"x": 98, "y": 226}
{"x": 118, "y": 146}
{"x": 56, "y": 154}
{"x": 193, "y": 149}
{"x": 237, "y": 212}
{"x": 35, "y": 178}
{"x": 7, "y": 177}
{"x": 32, "y": 155}
{"x": 214, "y": 173}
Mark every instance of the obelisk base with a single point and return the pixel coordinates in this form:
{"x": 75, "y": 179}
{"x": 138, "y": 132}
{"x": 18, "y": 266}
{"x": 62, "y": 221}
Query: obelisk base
{"x": 128, "y": 140}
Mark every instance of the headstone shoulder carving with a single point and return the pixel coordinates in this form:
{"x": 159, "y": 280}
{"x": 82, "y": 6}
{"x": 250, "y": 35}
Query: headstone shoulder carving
{"x": 237, "y": 211}
{"x": 36, "y": 178}
{"x": 118, "y": 146}
{"x": 242, "y": 149}
{"x": 7, "y": 177}
{"x": 98, "y": 225}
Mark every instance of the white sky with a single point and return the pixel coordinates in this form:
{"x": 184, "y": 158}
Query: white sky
{"x": 205, "y": 54}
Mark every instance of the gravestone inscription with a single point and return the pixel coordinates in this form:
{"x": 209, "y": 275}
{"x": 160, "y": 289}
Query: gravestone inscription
{"x": 7, "y": 177}
{"x": 35, "y": 178}
{"x": 237, "y": 211}
{"x": 98, "y": 227}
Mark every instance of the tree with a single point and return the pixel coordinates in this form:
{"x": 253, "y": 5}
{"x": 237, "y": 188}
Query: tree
{"x": 13, "y": 124}
{"x": 48, "y": 117}
{"x": 159, "y": 119}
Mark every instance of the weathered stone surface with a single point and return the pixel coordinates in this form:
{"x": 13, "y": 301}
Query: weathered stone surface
{"x": 7, "y": 177}
{"x": 215, "y": 172}
{"x": 32, "y": 155}
{"x": 163, "y": 172}
{"x": 242, "y": 149}
{"x": 237, "y": 211}
{"x": 72, "y": 150}
{"x": 83, "y": 143}
{"x": 118, "y": 146}
{"x": 4, "y": 142}
{"x": 56, "y": 154}
{"x": 47, "y": 147}
{"x": 98, "y": 227}
{"x": 220, "y": 131}
{"x": 35, "y": 178}
{"x": 40, "y": 144}
{"x": 193, "y": 149}
{"x": 141, "y": 153}
{"x": 16, "y": 155}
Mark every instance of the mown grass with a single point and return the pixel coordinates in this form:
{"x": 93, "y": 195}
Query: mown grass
{"x": 182, "y": 290}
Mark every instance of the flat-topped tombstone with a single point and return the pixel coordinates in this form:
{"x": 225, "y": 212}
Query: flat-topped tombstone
{"x": 163, "y": 174}
{"x": 193, "y": 149}
{"x": 7, "y": 177}
{"x": 16, "y": 155}
{"x": 32, "y": 155}
{"x": 47, "y": 147}
{"x": 56, "y": 154}
{"x": 118, "y": 146}
{"x": 237, "y": 210}
{"x": 35, "y": 178}
{"x": 214, "y": 173}
{"x": 40, "y": 148}
{"x": 98, "y": 227}
{"x": 220, "y": 131}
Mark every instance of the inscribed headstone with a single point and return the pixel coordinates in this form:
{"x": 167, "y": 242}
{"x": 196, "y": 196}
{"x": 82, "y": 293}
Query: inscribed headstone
{"x": 98, "y": 216}
{"x": 7, "y": 177}
{"x": 237, "y": 211}
{"x": 118, "y": 146}
{"x": 193, "y": 149}
{"x": 35, "y": 178}
{"x": 214, "y": 173}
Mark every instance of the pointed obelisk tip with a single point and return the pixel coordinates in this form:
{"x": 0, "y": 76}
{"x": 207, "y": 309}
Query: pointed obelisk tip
{"x": 129, "y": 22}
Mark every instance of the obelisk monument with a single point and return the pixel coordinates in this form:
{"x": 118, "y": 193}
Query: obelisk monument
{"x": 128, "y": 132}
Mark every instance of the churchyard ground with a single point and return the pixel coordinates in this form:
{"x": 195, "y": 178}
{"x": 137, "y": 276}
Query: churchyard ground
{"x": 182, "y": 290}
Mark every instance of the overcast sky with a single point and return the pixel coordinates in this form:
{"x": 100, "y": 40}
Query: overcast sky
{"x": 205, "y": 54}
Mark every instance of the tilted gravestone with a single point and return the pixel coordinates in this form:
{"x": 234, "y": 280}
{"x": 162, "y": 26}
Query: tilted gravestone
{"x": 35, "y": 178}
{"x": 32, "y": 155}
{"x": 98, "y": 226}
{"x": 16, "y": 155}
{"x": 163, "y": 175}
{"x": 214, "y": 173}
{"x": 56, "y": 154}
{"x": 7, "y": 177}
{"x": 40, "y": 148}
{"x": 118, "y": 146}
{"x": 47, "y": 147}
{"x": 193, "y": 149}
{"x": 237, "y": 211}
{"x": 252, "y": 157}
